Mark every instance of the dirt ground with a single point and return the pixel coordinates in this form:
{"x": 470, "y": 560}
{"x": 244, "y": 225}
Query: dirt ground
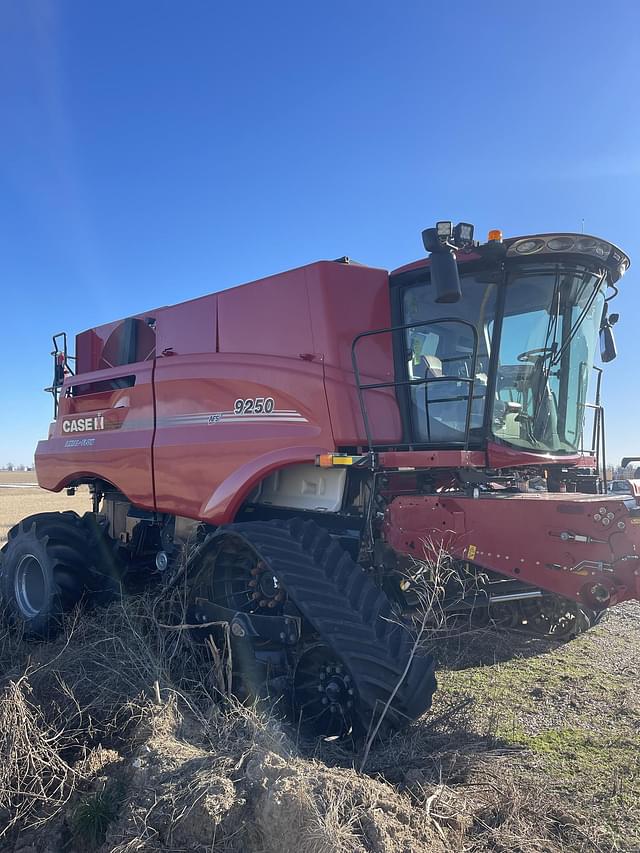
{"x": 17, "y": 503}
{"x": 531, "y": 746}
{"x": 13, "y": 477}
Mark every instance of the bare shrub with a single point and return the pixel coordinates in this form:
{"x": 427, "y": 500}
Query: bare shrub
{"x": 35, "y": 780}
{"x": 109, "y": 664}
{"x": 429, "y": 581}
{"x": 93, "y": 685}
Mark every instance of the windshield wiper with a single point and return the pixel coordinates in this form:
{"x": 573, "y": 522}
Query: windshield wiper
{"x": 547, "y": 352}
{"x": 580, "y": 319}
{"x": 552, "y": 351}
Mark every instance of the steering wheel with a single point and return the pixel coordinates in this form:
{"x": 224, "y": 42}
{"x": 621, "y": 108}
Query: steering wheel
{"x": 530, "y": 355}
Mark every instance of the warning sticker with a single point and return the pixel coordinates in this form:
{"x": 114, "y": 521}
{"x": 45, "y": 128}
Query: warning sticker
{"x": 471, "y": 552}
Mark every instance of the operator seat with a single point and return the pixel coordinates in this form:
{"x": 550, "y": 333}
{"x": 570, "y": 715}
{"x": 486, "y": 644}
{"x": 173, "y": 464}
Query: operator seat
{"x": 444, "y": 414}
{"x": 432, "y": 366}
{"x": 440, "y": 408}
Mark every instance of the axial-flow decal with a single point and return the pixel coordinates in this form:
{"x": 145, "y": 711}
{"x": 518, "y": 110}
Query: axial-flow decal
{"x": 268, "y": 415}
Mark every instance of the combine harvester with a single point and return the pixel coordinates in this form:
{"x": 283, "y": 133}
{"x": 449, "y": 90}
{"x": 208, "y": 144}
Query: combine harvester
{"x": 299, "y": 444}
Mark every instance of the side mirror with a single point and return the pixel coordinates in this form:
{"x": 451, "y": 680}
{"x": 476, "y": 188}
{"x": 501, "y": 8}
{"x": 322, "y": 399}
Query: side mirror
{"x": 445, "y": 277}
{"x": 444, "y": 269}
{"x": 608, "y": 349}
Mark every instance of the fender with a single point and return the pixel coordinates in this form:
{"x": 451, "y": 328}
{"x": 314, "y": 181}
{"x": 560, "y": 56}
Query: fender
{"x": 227, "y": 498}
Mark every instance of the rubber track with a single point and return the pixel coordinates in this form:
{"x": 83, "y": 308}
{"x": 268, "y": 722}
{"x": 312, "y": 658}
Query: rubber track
{"x": 349, "y": 612}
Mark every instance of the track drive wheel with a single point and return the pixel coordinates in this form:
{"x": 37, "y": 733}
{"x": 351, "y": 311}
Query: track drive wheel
{"x": 47, "y": 566}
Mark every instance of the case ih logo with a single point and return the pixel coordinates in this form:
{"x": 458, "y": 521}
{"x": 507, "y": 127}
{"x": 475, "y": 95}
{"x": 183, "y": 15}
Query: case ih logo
{"x": 83, "y": 424}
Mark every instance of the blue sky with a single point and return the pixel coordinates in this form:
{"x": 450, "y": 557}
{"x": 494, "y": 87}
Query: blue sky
{"x": 154, "y": 151}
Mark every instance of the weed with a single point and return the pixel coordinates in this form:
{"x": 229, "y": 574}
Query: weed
{"x": 94, "y": 812}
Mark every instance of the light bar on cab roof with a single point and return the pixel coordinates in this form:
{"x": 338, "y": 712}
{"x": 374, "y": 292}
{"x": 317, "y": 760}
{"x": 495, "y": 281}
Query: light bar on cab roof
{"x": 580, "y": 244}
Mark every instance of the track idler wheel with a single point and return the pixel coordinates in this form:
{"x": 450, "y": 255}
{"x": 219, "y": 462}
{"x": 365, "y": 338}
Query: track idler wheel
{"x": 324, "y": 694}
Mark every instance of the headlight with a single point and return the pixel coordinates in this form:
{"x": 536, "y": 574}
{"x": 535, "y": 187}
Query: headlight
{"x": 561, "y": 244}
{"x": 529, "y": 247}
{"x": 581, "y": 244}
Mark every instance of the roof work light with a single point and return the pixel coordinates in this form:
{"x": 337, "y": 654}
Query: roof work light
{"x": 442, "y": 242}
{"x": 463, "y": 234}
{"x": 444, "y": 230}
{"x": 445, "y": 234}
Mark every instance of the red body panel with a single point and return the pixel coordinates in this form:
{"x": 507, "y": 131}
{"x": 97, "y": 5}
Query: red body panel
{"x": 495, "y": 457}
{"x": 203, "y": 462}
{"x": 120, "y": 450}
{"x": 172, "y": 440}
{"x": 494, "y": 531}
{"x": 345, "y": 301}
{"x": 432, "y": 459}
{"x": 501, "y": 456}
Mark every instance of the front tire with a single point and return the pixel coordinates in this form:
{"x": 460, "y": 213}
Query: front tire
{"x": 45, "y": 569}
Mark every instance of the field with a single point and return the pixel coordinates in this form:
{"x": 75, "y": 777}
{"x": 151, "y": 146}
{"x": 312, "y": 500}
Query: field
{"x": 16, "y": 503}
{"x": 112, "y": 735}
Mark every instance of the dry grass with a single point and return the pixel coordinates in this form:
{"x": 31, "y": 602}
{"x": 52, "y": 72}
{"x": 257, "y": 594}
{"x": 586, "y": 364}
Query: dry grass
{"x": 193, "y": 774}
{"x": 35, "y": 780}
{"x": 122, "y": 703}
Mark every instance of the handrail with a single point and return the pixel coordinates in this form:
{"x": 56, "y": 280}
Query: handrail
{"x": 61, "y": 369}
{"x": 598, "y": 436}
{"x": 400, "y": 383}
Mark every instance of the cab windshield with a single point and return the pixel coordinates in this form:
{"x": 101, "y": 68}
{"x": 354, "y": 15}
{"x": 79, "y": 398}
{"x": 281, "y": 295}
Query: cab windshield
{"x": 546, "y": 348}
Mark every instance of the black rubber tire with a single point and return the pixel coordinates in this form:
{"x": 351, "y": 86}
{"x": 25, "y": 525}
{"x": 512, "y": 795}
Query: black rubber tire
{"x": 57, "y": 555}
{"x": 351, "y": 615}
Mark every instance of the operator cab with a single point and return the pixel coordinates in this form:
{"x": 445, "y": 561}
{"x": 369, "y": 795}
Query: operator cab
{"x": 506, "y": 352}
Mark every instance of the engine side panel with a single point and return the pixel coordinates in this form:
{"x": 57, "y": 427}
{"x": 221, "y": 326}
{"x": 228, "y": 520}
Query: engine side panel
{"x": 225, "y": 421}
{"x": 346, "y": 300}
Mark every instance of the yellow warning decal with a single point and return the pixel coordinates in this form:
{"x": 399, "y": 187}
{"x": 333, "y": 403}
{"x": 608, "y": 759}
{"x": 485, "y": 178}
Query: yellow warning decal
{"x": 635, "y": 521}
{"x": 471, "y": 552}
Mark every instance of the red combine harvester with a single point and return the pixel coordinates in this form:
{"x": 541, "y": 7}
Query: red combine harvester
{"x": 301, "y": 446}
